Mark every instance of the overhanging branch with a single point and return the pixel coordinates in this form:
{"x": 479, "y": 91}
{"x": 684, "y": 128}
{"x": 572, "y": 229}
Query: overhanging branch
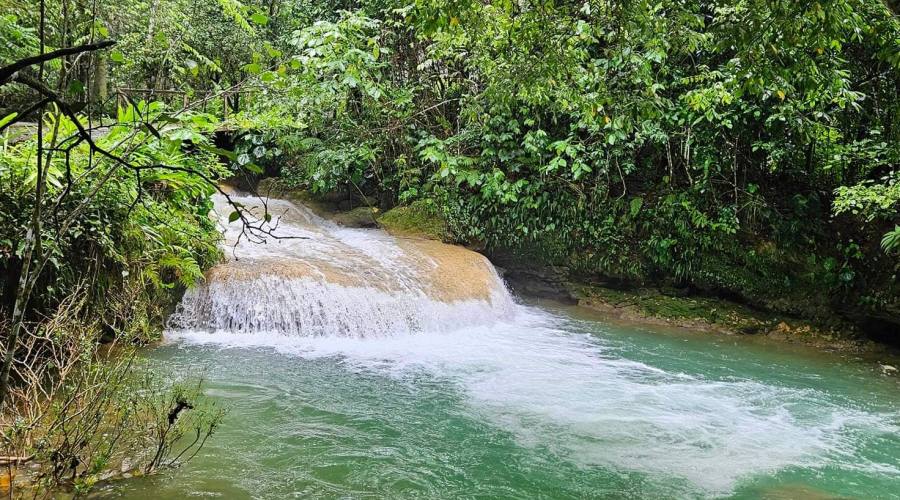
{"x": 7, "y": 72}
{"x": 253, "y": 231}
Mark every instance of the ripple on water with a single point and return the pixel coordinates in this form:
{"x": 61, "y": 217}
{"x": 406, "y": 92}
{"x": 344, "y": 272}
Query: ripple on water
{"x": 359, "y": 365}
{"x": 561, "y": 393}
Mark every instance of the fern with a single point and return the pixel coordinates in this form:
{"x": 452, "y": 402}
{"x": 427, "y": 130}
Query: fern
{"x": 891, "y": 241}
{"x": 237, "y": 11}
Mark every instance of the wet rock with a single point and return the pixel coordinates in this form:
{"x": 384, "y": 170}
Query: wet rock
{"x": 530, "y": 280}
{"x": 751, "y": 329}
{"x": 337, "y": 196}
{"x": 368, "y": 201}
{"x": 888, "y": 369}
{"x": 268, "y": 187}
{"x": 106, "y": 476}
{"x": 362, "y": 217}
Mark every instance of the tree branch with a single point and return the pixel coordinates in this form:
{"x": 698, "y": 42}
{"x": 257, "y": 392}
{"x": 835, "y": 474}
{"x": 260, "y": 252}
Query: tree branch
{"x": 7, "y": 72}
{"x": 21, "y": 116}
{"x": 253, "y": 231}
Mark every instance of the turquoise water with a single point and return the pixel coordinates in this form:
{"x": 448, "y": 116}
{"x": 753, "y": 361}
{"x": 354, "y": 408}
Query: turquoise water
{"x": 546, "y": 404}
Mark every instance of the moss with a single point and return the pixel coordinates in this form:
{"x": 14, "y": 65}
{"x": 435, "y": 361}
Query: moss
{"x": 713, "y": 314}
{"x": 273, "y": 187}
{"x": 417, "y": 219}
{"x": 716, "y": 315}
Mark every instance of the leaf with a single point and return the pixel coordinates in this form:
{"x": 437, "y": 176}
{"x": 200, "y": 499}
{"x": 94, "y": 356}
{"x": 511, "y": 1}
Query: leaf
{"x": 76, "y": 87}
{"x": 234, "y": 216}
{"x": 116, "y": 56}
{"x": 636, "y": 204}
{"x": 891, "y": 240}
{"x": 219, "y": 151}
{"x": 8, "y": 118}
{"x": 259, "y": 19}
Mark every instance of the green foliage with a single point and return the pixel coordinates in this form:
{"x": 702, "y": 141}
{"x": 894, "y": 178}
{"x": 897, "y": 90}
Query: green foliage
{"x": 16, "y": 41}
{"x": 154, "y": 224}
{"x": 870, "y": 199}
{"x": 891, "y": 240}
{"x": 739, "y": 146}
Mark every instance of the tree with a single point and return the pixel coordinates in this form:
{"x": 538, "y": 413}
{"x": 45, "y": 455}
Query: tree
{"x": 138, "y": 126}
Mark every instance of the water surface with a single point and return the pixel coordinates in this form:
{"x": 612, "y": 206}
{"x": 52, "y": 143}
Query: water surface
{"x": 547, "y": 406}
{"x": 358, "y": 365}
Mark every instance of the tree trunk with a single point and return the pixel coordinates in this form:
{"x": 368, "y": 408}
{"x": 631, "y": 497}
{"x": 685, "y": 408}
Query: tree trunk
{"x": 99, "y": 90}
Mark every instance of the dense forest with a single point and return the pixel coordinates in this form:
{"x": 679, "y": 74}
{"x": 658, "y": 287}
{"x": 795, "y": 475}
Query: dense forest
{"x": 742, "y": 149}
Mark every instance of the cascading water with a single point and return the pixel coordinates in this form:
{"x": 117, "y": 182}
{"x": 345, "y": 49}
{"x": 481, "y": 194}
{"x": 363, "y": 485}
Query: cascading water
{"x": 315, "y": 278}
{"x": 361, "y": 365}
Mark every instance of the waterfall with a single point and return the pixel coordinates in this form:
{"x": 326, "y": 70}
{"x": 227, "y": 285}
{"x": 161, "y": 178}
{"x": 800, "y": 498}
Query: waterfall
{"x": 315, "y": 278}
{"x": 352, "y": 349}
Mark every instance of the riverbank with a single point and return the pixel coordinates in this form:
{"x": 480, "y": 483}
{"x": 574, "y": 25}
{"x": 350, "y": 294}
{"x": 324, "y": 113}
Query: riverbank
{"x": 714, "y": 315}
{"x": 696, "y": 313}
{"x": 681, "y": 309}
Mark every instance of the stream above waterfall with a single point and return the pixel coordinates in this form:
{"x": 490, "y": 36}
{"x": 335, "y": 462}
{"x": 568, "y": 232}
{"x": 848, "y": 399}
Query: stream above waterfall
{"x": 359, "y": 365}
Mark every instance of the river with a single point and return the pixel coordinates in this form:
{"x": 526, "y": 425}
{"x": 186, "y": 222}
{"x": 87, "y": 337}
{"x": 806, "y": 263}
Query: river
{"x": 358, "y": 365}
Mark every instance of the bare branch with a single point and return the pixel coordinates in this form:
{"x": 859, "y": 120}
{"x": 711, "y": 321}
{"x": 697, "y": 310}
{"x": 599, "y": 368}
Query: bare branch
{"x": 8, "y": 72}
{"x": 253, "y": 231}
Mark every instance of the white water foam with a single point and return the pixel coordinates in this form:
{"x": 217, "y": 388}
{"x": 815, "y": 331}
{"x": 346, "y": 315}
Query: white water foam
{"x": 338, "y": 281}
{"x": 529, "y": 373}
{"x": 308, "y": 307}
{"x": 558, "y": 390}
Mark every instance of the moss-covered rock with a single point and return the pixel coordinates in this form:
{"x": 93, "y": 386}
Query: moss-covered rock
{"x": 419, "y": 219}
{"x": 696, "y": 312}
{"x": 270, "y": 187}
